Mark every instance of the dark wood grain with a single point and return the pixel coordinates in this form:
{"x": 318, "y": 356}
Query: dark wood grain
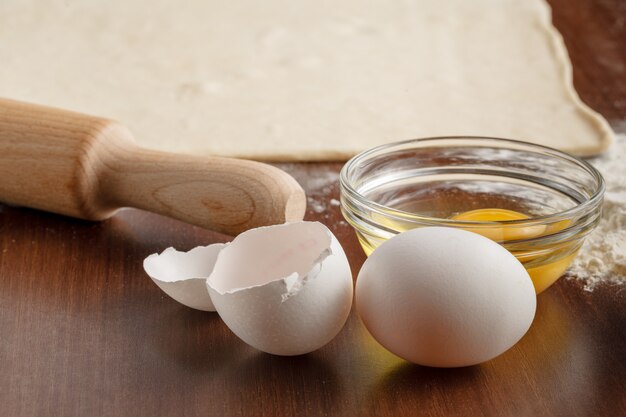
{"x": 84, "y": 332}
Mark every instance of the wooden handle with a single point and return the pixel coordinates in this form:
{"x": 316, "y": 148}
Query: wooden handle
{"x": 89, "y": 167}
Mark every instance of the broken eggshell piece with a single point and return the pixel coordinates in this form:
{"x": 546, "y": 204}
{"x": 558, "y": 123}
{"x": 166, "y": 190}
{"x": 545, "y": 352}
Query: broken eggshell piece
{"x": 182, "y": 275}
{"x": 285, "y": 290}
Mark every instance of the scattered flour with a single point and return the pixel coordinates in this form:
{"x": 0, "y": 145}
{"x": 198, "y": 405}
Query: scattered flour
{"x": 602, "y": 258}
{"x": 322, "y": 189}
{"x": 317, "y": 206}
{"x": 319, "y": 189}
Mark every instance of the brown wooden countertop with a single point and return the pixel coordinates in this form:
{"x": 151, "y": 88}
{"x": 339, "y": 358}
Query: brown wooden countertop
{"x": 84, "y": 332}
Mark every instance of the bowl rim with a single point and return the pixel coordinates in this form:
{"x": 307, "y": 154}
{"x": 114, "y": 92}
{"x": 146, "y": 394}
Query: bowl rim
{"x": 589, "y": 204}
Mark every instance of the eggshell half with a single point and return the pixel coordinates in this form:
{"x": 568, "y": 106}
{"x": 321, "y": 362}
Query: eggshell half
{"x": 285, "y": 290}
{"x": 444, "y": 297}
{"x": 182, "y": 275}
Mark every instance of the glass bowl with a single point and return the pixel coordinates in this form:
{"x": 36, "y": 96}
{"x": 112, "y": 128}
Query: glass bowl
{"x": 537, "y": 202}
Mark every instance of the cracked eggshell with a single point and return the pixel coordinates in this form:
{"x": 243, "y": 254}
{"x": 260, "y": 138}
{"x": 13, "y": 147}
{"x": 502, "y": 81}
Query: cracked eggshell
{"x": 182, "y": 275}
{"x": 285, "y": 290}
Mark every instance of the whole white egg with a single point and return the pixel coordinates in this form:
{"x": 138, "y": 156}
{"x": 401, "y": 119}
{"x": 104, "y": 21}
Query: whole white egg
{"x": 444, "y": 297}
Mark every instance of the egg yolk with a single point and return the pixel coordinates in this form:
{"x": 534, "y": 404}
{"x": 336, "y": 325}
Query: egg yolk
{"x": 497, "y": 232}
{"x": 490, "y": 215}
{"x": 542, "y": 275}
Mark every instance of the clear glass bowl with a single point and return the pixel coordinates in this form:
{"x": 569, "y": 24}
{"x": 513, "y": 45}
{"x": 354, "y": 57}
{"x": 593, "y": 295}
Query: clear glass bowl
{"x": 426, "y": 182}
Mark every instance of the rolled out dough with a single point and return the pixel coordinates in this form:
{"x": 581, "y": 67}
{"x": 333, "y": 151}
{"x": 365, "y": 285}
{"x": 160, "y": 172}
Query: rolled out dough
{"x": 305, "y": 80}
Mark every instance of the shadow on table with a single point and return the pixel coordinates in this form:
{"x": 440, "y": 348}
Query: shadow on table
{"x": 201, "y": 347}
{"x": 287, "y": 385}
{"x": 552, "y": 364}
{"x": 411, "y": 387}
{"x": 196, "y": 341}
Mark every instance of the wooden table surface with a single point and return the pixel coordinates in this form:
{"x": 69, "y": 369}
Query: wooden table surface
{"x": 84, "y": 332}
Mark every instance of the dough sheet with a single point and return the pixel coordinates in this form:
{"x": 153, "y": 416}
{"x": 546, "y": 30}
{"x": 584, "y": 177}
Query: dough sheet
{"x": 305, "y": 80}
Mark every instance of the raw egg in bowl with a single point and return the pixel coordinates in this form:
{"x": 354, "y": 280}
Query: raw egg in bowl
{"x": 537, "y": 202}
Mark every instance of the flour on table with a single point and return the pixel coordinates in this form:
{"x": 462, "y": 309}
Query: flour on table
{"x": 304, "y": 80}
{"x": 602, "y": 258}
{"x": 321, "y": 186}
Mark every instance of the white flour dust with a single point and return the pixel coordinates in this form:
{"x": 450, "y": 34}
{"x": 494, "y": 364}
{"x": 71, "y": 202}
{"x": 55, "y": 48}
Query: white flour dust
{"x": 602, "y": 258}
{"x": 321, "y": 188}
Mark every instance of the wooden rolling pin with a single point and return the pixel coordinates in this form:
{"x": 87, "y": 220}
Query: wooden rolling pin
{"x": 89, "y": 167}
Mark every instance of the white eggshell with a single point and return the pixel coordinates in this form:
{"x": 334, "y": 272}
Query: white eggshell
{"x": 182, "y": 275}
{"x": 444, "y": 297}
{"x": 285, "y": 290}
